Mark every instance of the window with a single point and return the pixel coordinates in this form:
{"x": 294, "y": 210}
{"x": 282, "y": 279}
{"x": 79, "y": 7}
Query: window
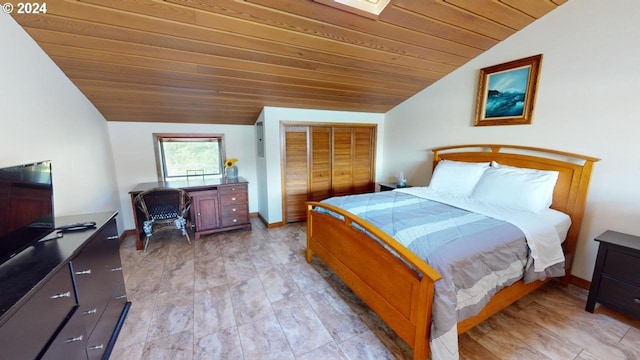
{"x": 181, "y": 155}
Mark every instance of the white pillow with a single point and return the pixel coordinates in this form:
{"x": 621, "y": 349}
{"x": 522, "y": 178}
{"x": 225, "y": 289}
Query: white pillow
{"x": 516, "y": 188}
{"x": 457, "y": 177}
{"x": 553, "y": 178}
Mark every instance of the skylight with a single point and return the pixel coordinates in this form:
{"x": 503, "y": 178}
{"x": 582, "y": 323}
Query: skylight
{"x": 367, "y": 8}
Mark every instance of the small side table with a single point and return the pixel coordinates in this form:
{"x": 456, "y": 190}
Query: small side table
{"x": 390, "y": 186}
{"x": 616, "y": 278}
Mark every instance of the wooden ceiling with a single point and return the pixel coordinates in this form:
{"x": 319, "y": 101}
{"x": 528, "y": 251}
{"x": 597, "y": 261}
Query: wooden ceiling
{"x": 222, "y": 61}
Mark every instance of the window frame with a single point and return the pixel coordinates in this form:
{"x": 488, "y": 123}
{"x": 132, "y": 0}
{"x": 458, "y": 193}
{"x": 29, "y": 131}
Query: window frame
{"x": 160, "y": 161}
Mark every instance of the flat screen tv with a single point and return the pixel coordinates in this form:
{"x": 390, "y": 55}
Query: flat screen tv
{"x": 26, "y": 207}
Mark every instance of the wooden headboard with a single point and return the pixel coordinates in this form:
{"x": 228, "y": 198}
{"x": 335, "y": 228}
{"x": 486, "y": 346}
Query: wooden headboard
{"x": 570, "y": 192}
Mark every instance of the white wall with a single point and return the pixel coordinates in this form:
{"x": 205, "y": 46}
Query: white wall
{"x": 587, "y": 104}
{"x": 270, "y": 186}
{"x": 133, "y": 152}
{"x": 43, "y": 116}
{"x": 261, "y": 174}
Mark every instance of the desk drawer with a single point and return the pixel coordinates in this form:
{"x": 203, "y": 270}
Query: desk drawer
{"x": 232, "y": 189}
{"x": 621, "y": 295}
{"x": 233, "y": 199}
{"x": 234, "y": 215}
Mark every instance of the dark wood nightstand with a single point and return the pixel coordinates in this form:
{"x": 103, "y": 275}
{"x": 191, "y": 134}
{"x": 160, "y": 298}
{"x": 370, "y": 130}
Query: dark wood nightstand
{"x": 616, "y": 278}
{"x": 390, "y": 186}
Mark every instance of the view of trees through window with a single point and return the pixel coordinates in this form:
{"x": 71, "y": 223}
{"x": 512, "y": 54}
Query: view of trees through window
{"x": 197, "y": 156}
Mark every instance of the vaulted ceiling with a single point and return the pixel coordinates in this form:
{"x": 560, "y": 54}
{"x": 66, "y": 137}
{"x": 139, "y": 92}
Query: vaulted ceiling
{"x": 222, "y": 61}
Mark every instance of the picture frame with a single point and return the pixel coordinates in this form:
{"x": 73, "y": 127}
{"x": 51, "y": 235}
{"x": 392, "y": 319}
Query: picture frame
{"x": 507, "y": 92}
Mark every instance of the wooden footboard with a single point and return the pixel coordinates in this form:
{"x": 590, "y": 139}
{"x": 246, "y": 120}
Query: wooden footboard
{"x": 399, "y": 288}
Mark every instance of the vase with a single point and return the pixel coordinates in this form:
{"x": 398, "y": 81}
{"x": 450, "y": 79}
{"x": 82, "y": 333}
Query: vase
{"x": 232, "y": 172}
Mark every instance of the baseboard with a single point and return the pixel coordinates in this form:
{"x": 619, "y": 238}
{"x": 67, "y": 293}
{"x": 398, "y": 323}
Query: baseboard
{"x": 585, "y": 284}
{"x": 270, "y": 225}
{"x": 125, "y": 234}
{"x": 275, "y": 225}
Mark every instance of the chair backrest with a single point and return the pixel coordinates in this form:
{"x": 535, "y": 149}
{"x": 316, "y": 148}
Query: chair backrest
{"x": 163, "y": 203}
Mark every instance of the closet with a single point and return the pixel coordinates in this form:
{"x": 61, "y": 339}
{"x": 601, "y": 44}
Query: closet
{"x": 324, "y": 160}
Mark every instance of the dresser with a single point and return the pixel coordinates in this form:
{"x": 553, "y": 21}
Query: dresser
{"x": 216, "y": 204}
{"x": 64, "y": 298}
{"x": 616, "y": 277}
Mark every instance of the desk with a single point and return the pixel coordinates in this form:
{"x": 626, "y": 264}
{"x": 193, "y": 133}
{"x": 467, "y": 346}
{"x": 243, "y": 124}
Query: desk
{"x": 216, "y": 205}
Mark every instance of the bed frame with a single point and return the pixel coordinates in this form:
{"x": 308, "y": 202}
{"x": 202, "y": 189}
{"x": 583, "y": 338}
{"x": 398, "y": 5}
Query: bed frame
{"x": 401, "y": 291}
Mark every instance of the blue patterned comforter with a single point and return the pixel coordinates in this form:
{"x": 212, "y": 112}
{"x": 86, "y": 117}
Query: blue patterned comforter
{"x": 475, "y": 254}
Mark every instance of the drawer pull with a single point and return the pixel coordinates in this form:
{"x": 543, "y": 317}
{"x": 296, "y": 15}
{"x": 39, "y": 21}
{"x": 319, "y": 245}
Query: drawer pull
{"x": 636, "y": 301}
{"x": 74, "y": 339}
{"x": 233, "y": 189}
{"x": 96, "y": 347}
{"x": 113, "y": 237}
{"x": 119, "y": 268}
{"x": 121, "y": 297}
{"x": 233, "y": 199}
{"x": 83, "y": 272}
{"x": 234, "y": 209}
{"x": 89, "y": 312}
{"x": 61, "y": 295}
{"x": 235, "y": 220}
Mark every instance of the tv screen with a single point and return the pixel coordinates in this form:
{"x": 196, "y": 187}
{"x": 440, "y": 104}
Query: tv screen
{"x": 26, "y": 206}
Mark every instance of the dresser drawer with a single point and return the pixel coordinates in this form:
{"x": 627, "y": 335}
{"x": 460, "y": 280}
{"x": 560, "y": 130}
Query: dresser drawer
{"x": 621, "y": 295}
{"x": 103, "y": 337}
{"x": 234, "y": 215}
{"x": 70, "y": 343}
{"x": 97, "y": 271}
{"x": 232, "y": 199}
{"x": 232, "y": 189}
{"x": 623, "y": 266}
{"x": 27, "y": 332}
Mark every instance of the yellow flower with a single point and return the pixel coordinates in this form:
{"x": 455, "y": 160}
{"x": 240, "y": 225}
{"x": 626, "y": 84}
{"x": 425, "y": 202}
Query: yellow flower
{"x": 230, "y": 162}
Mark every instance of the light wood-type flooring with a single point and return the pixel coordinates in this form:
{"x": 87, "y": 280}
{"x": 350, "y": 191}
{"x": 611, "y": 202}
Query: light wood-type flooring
{"x": 251, "y": 295}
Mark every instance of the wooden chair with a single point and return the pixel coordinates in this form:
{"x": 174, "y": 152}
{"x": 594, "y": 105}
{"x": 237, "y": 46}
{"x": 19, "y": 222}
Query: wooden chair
{"x": 164, "y": 209}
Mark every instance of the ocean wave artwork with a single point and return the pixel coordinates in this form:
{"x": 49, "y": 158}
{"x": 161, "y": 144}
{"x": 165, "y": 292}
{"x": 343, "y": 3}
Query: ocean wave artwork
{"x": 504, "y": 104}
{"x": 507, "y": 93}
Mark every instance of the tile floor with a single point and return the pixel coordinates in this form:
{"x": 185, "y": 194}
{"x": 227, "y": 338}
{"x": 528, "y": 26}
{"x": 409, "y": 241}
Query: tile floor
{"x": 251, "y": 295}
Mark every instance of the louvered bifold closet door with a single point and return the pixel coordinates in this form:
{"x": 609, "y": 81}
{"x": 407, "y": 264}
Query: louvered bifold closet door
{"x": 363, "y": 156}
{"x": 320, "y": 174}
{"x": 342, "y": 164}
{"x": 296, "y": 173}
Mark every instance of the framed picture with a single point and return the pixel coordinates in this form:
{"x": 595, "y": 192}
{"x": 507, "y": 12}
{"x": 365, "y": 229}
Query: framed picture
{"x": 507, "y": 92}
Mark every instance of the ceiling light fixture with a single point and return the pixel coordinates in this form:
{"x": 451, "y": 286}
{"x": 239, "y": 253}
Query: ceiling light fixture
{"x": 366, "y": 8}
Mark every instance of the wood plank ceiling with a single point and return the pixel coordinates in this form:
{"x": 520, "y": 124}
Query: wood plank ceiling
{"x": 222, "y": 61}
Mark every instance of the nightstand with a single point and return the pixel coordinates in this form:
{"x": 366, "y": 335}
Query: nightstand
{"x": 390, "y": 186}
{"x": 616, "y": 278}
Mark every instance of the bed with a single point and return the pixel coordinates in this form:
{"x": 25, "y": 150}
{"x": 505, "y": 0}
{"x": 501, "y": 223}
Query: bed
{"x": 399, "y": 285}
